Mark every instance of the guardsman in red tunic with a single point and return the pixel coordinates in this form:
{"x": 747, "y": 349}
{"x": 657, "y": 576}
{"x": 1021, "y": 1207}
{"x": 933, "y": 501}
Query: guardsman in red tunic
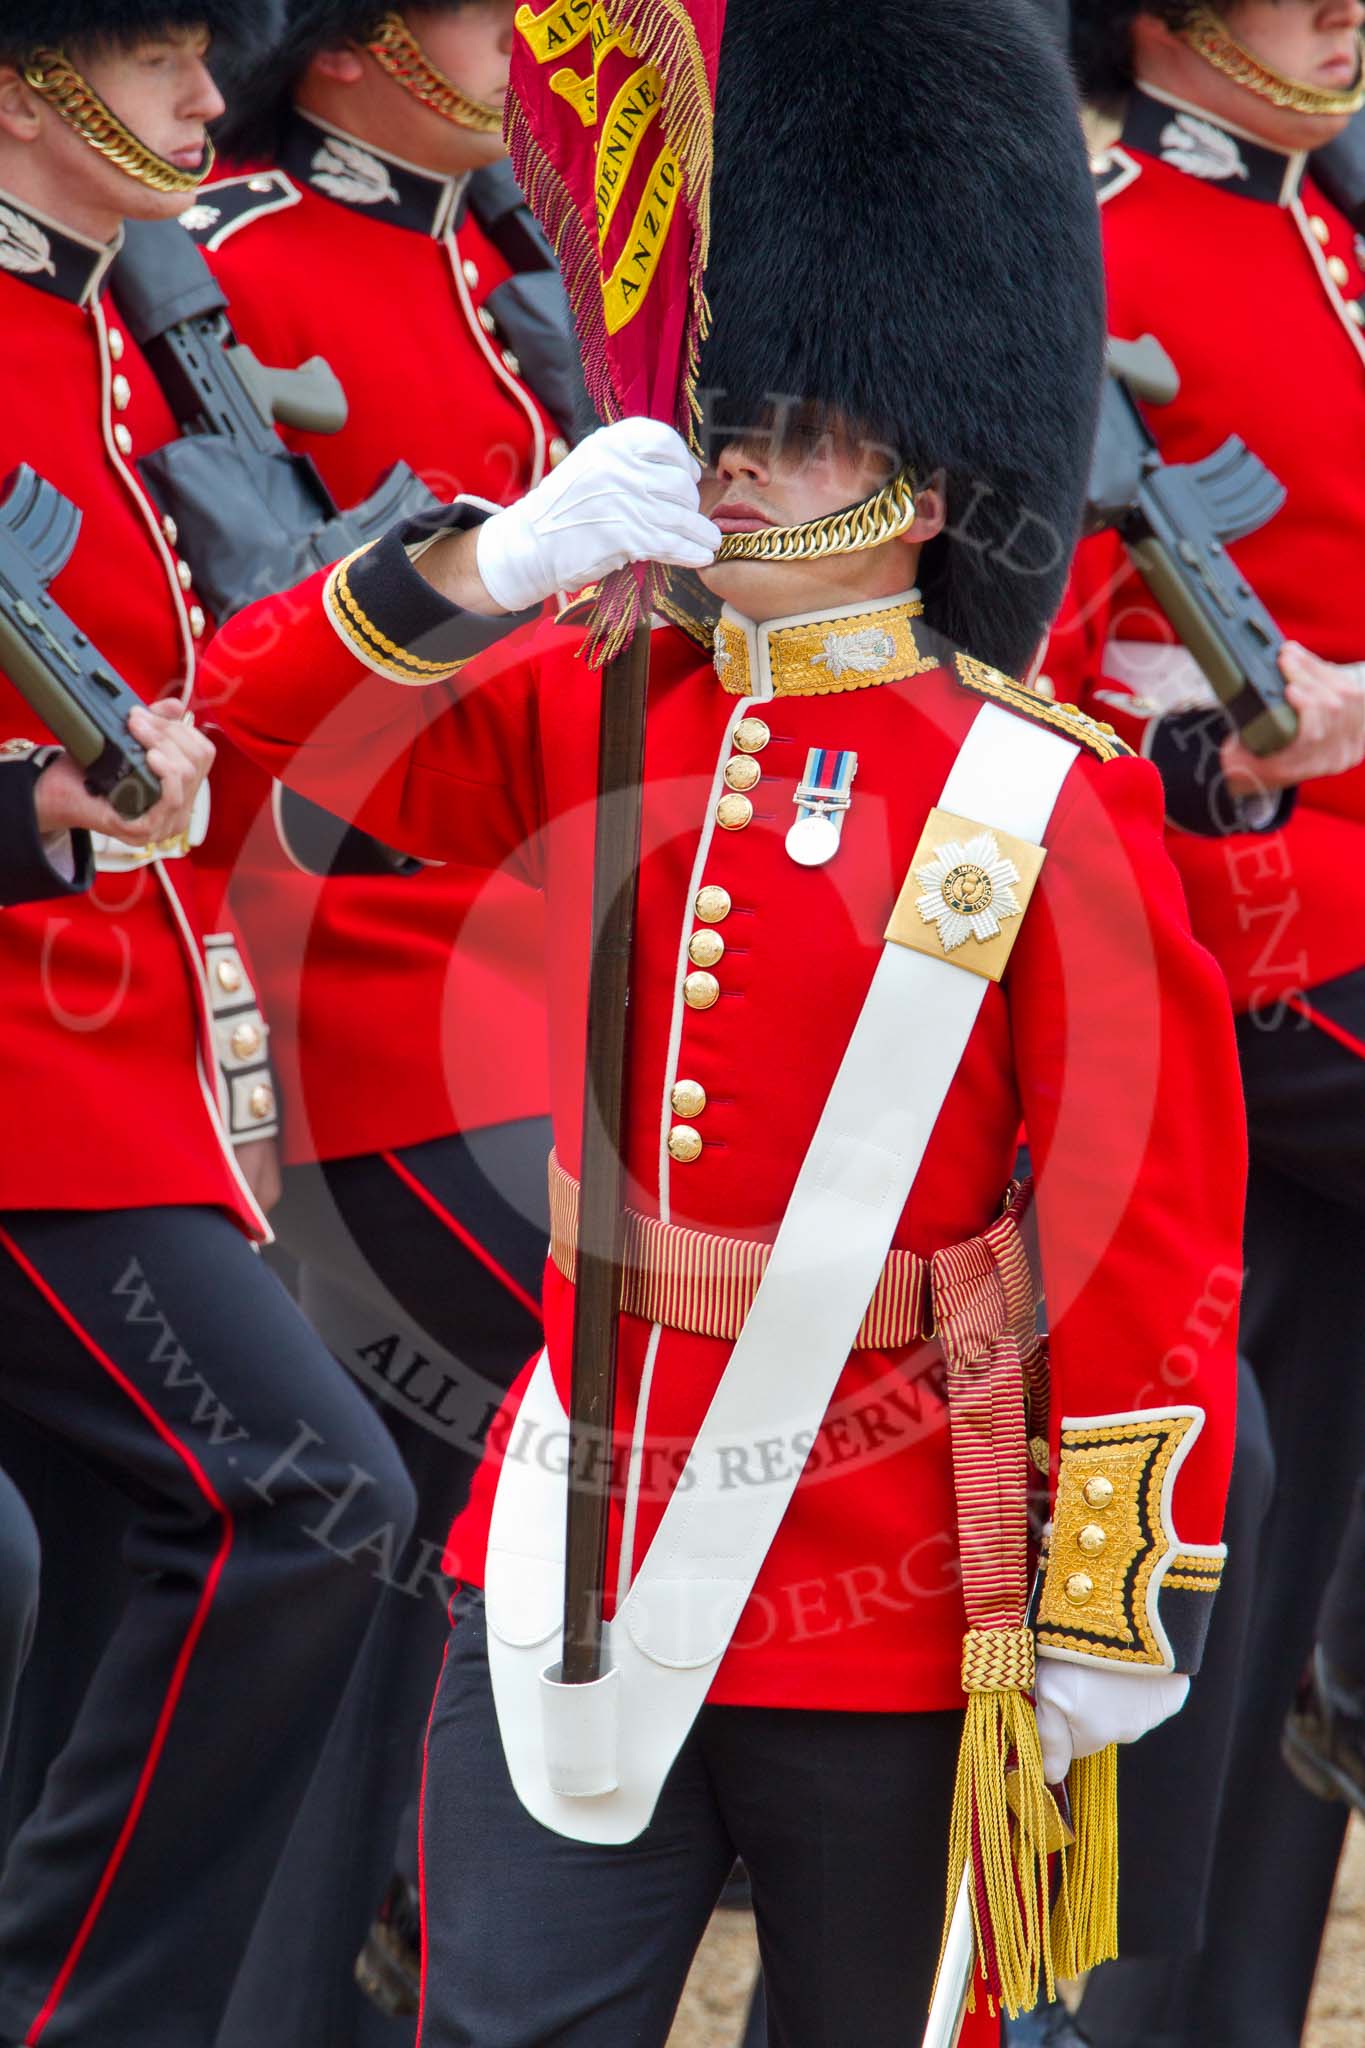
{"x": 142, "y": 1330}
{"x": 380, "y": 227}
{"x": 844, "y": 813}
{"x": 1218, "y": 242}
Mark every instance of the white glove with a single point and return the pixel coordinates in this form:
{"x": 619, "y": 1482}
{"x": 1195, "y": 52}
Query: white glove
{"x": 1082, "y": 1709}
{"x": 626, "y": 494}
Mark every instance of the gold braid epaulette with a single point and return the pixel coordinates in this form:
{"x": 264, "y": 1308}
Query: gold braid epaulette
{"x": 1097, "y": 739}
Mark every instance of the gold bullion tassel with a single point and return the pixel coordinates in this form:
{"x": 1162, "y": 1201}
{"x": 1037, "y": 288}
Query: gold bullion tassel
{"x": 1004, "y": 1821}
{"x": 1085, "y": 1920}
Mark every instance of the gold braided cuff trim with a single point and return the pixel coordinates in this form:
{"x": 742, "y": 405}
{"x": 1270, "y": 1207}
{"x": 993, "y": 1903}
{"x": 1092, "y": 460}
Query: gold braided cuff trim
{"x": 365, "y": 639}
{"x": 1113, "y": 1550}
{"x": 998, "y": 1660}
{"x": 1202, "y": 1574}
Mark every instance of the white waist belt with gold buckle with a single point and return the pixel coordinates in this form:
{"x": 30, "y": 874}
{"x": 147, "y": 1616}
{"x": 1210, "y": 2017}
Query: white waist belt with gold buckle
{"x": 589, "y": 1762}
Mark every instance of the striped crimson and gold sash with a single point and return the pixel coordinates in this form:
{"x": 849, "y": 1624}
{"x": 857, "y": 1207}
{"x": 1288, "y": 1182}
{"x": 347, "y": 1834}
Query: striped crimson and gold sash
{"x": 704, "y": 1282}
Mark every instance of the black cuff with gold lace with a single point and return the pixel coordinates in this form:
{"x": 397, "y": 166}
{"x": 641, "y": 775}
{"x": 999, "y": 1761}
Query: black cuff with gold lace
{"x": 394, "y": 621}
{"x": 241, "y": 1041}
{"x": 1119, "y": 1587}
{"x": 33, "y": 869}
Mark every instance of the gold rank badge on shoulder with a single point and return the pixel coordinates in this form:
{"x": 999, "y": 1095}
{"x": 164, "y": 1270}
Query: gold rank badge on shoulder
{"x": 966, "y": 893}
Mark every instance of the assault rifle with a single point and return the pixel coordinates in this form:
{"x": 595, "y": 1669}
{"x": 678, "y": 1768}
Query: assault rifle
{"x": 1174, "y": 520}
{"x": 252, "y": 517}
{"x": 78, "y": 695}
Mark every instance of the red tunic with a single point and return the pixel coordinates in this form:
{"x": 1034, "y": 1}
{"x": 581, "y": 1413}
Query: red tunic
{"x": 110, "y": 1078}
{"x": 1110, "y": 1038}
{"x": 401, "y": 1008}
{"x": 1252, "y": 283}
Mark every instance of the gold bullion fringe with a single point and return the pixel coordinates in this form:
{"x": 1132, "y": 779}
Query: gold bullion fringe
{"x": 999, "y": 1778}
{"x": 1085, "y": 1920}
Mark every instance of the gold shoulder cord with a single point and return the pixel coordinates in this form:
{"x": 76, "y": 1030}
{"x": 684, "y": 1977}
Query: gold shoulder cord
{"x": 1210, "y": 38}
{"x": 52, "y": 74}
{"x": 884, "y": 517}
{"x": 396, "y": 50}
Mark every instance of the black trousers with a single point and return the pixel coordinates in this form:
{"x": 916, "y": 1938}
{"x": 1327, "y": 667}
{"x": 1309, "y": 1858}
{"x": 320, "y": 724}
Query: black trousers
{"x": 533, "y": 1939}
{"x": 19, "y": 1572}
{"x": 85, "y": 1586}
{"x": 422, "y": 1270}
{"x": 1276, "y": 1848}
{"x": 264, "y": 1504}
{"x": 1341, "y": 1628}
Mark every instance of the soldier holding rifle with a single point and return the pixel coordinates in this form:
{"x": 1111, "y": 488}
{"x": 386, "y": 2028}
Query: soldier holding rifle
{"x": 142, "y": 1329}
{"x": 845, "y": 757}
{"x": 1221, "y": 244}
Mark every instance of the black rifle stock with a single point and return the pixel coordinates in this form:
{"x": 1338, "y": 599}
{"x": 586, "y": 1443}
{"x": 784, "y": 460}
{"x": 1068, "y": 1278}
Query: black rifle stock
{"x": 252, "y": 517}
{"x": 1175, "y": 520}
{"x": 79, "y": 696}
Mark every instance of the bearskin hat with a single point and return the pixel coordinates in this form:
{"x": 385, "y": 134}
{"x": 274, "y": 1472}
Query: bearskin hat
{"x": 260, "y": 92}
{"x": 26, "y": 25}
{"x": 917, "y": 251}
{"x": 1102, "y": 41}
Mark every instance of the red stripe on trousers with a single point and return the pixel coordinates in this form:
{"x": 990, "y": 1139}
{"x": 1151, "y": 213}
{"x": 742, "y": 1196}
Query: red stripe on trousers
{"x": 422, "y": 1846}
{"x": 187, "y": 1648}
{"x": 457, "y": 1230}
{"x": 1328, "y": 1025}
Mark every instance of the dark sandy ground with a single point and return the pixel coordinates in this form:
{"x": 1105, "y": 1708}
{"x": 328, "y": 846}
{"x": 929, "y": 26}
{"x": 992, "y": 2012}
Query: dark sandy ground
{"x": 717, "y": 1995}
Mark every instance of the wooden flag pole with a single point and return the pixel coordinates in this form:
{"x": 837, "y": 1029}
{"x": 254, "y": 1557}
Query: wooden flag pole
{"x": 601, "y": 1221}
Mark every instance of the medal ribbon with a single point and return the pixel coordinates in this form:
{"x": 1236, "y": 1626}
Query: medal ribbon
{"x": 827, "y": 786}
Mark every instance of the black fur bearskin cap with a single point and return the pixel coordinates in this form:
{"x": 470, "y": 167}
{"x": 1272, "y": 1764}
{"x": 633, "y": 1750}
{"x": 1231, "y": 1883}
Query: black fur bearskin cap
{"x": 260, "y": 92}
{"x": 1102, "y": 41}
{"x": 906, "y": 234}
{"x": 26, "y": 25}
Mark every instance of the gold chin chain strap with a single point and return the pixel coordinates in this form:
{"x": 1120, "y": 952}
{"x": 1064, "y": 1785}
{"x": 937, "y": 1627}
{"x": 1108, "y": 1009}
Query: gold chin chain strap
{"x": 884, "y": 517}
{"x": 51, "y": 73}
{"x": 1210, "y": 38}
{"x": 396, "y": 50}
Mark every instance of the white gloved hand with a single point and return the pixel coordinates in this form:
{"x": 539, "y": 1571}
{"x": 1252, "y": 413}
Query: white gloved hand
{"x": 1082, "y": 1708}
{"x": 626, "y": 494}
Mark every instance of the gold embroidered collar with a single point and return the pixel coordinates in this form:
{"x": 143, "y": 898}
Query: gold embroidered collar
{"x": 820, "y": 654}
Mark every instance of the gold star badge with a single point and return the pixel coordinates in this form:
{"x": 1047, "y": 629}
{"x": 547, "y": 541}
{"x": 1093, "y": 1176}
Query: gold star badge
{"x": 966, "y": 893}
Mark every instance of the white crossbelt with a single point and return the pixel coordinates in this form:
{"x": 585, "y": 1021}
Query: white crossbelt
{"x": 590, "y": 1761}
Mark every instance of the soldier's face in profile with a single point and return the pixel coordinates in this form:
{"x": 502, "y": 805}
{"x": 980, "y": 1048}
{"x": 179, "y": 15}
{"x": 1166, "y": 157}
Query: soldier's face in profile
{"x": 472, "y": 46}
{"x": 1314, "y": 42}
{"x": 788, "y": 475}
{"x": 159, "y": 87}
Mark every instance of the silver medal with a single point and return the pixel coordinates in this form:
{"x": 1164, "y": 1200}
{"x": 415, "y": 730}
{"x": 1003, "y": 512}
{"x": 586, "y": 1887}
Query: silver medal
{"x": 813, "y": 840}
